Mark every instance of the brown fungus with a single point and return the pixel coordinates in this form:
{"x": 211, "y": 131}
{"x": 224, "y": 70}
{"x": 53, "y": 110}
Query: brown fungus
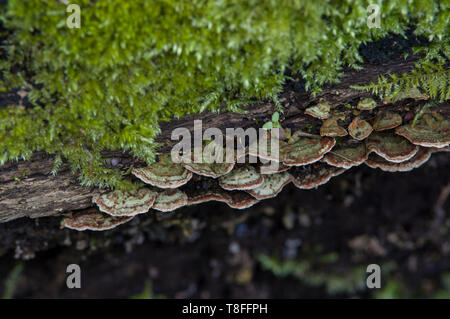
{"x": 320, "y": 111}
{"x": 170, "y": 200}
{"x": 307, "y": 150}
{"x": 432, "y": 130}
{"x": 241, "y": 178}
{"x": 125, "y": 203}
{"x": 273, "y": 184}
{"x": 262, "y": 149}
{"x": 347, "y": 156}
{"x": 209, "y": 164}
{"x": 93, "y": 220}
{"x": 241, "y": 200}
{"x": 391, "y": 147}
{"x": 386, "y": 120}
{"x": 163, "y": 174}
{"x": 214, "y": 170}
{"x": 367, "y": 104}
{"x": 359, "y": 129}
{"x": 331, "y": 128}
{"x": 311, "y": 176}
{"x": 209, "y": 196}
{"x": 273, "y": 169}
{"x": 423, "y": 155}
{"x": 205, "y": 190}
{"x": 412, "y": 93}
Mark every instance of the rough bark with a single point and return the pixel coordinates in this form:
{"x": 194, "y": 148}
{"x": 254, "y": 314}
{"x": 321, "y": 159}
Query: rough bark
{"x": 28, "y": 189}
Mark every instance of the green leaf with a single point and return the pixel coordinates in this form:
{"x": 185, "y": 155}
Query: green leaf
{"x": 275, "y": 117}
{"x": 268, "y": 126}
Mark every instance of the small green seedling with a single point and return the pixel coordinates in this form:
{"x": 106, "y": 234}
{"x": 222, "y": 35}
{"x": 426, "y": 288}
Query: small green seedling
{"x": 273, "y": 123}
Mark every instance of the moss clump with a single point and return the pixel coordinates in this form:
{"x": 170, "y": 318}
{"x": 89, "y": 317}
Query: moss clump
{"x": 132, "y": 64}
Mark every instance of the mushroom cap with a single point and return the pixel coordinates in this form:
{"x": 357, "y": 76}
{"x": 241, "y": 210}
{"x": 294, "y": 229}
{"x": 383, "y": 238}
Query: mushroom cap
{"x": 163, "y": 174}
{"x": 442, "y": 149}
{"x": 169, "y": 200}
{"x": 205, "y": 190}
{"x": 367, "y": 104}
{"x": 273, "y": 184}
{"x": 311, "y": 176}
{"x": 412, "y": 93}
{"x": 268, "y": 169}
{"x": 241, "y": 200}
{"x": 386, "y": 120}
{"x": 330, "y": 127}
{"x": 320, "y": 111}
{"x": 307, "y": 150}
{"x": 391, "y": 147}
{"x": 262, "y": 148}
{"x": 423, "y": 155}
{"x": 209, "y": 196}
{"x": 359, "y": 129}
{"x": 207, "y": 166}
{"x": 93, "y": 220}
{"x": 125, "y": 203}
{"x": 430, "y": 131}
{"x": 346, "y": 156}
{"x": 214, "y": 170}
{"x": 241, "y": 178}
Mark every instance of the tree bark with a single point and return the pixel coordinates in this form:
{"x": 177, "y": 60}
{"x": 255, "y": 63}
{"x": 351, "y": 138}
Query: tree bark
{"x": 27, "y": 189}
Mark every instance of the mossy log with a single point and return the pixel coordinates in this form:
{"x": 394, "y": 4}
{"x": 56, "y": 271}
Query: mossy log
{"x": 27, "y": 188}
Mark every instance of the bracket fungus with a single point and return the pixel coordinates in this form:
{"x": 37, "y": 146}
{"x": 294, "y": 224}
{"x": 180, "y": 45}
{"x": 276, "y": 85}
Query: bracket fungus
{"x": 163, "y": 174}
{"x": 432, "y": 130}
{"x": 262, "y": 149}
{"x": 423, "y": 155}
{"x": 273, "y": 184}
{"x": 320, "y": 111}
{"x": 307, "y": 150}
{"x": 331, "y": 128}
{"x": 306, "y": 159}
{"x": 241, "y": 200}
{"x": 269, "y": 169}
{"x": 412, "y": 93}
{"x": 386, "y": 121}
{"x": 346, "y": 156}
{"x": 241, "y": 178}
{"x": 125, "y": 203}
{"x": 209, "y": 196}
{"x": 211, "y": 166}
{"x": 367, "y": 104}
{"x": 311, "y": 176}
{"x": 169, "y": 200}
{"x": 359, "y": 129}
{"x": 391, "y": 147}
{"x": 205, "y": 191}
{"x": 213, "y": 170}
{"x": 93, "y": 220}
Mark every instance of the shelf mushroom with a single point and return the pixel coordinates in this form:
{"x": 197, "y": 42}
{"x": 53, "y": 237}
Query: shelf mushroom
{"x": 273, "y": 184}
{"x": 92, "y": 220}
{"x": 430, "y": 131}
{"x": 125, "y": 203}
{"x": 241, "y": 178}
{"x": 163, "y": 174}
{"x": 169, "y": 200}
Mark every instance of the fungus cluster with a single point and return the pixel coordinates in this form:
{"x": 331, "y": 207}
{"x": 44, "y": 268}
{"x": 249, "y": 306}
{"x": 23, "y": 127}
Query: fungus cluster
{"x": 304, "y": 159}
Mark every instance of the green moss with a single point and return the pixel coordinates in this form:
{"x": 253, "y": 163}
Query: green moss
{"x": 133, "y": 64}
